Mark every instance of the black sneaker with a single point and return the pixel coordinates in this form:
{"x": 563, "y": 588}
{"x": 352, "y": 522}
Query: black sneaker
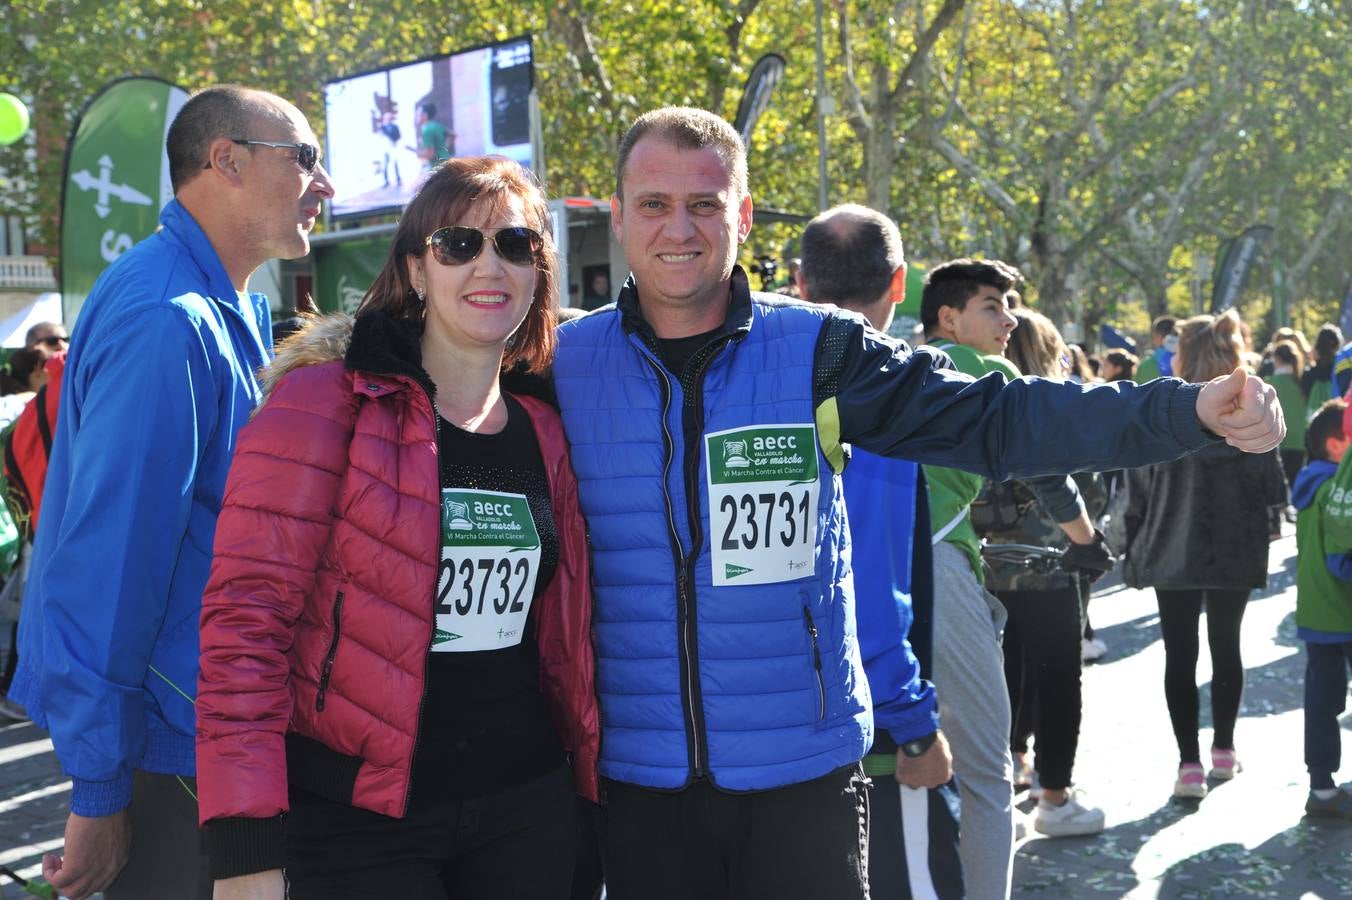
{"x": 1339, "y": 806}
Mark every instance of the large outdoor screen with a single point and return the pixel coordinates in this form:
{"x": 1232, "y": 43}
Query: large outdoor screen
{"x": 388, "y": 128}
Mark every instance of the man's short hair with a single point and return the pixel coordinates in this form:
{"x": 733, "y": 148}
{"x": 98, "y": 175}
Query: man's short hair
{"x": 1163, "y": 326}
{"x": 226, "y": 110}
{"x": 1326, "y": 423}
{"x": 429, "y": 109}
{"x": 957, "y": 281}
{"x": 850, "y": 253}
{"x": 35, "y": 333}
{"x": 686, "y": 128}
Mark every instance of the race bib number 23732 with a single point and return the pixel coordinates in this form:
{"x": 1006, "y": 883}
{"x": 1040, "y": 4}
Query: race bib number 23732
{"x": 763, "y": 491}
{"x": 490, "y": 557}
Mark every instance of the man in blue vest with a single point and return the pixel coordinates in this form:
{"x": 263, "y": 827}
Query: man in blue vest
{"x": 708, "y": 427}
{"x": 852, "y": 257}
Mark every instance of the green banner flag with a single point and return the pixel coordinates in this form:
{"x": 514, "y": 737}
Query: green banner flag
{"x": 116, "y": 181}
{"x": 344, "y": 270}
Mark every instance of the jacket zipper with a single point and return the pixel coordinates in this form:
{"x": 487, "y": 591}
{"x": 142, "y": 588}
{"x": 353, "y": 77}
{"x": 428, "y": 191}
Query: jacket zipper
{"x": 689, "y": 635}
{"x": 327, "y": 671}
{"x": 684, "y": 596}
{"x": 816, "y": 664}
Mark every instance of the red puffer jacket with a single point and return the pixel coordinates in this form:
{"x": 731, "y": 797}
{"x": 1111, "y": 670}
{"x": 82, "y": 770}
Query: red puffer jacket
{"x": 318, "y": 615}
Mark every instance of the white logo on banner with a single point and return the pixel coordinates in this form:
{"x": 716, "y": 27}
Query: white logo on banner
{"x": 105, "y": 187}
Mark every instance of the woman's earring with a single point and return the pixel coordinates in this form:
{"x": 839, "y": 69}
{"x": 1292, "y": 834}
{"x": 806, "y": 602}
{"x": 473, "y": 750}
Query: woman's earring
{"x": 422, "y": 294}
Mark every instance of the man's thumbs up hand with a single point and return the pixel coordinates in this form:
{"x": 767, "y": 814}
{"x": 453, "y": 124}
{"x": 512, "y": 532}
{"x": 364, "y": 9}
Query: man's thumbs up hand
{"x": 1242, "y": 409}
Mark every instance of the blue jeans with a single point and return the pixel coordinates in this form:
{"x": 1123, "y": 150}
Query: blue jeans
{"x": 1326, "y": 667}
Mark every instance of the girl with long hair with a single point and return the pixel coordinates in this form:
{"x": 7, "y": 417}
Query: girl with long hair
{"x": 1197, "y": 532}
{"x": 1042, "y": 638}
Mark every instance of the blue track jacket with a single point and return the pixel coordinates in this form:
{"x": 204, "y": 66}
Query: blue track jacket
{"x": 881, "y": 499}
{"x": 159, "y": 379}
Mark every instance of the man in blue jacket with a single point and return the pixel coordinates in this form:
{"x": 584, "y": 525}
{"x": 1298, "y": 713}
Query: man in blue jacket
{"x": 160, "y": 376}
{"x": 707, "y": 428}
{"x": 852, "y": 257}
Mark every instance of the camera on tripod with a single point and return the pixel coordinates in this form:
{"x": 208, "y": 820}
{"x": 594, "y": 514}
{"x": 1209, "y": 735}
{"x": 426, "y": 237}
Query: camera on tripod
{"x": 766, "y": 268}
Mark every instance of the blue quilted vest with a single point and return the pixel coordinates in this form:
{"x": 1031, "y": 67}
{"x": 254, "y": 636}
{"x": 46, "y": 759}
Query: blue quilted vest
{"x": 753, "y": 686}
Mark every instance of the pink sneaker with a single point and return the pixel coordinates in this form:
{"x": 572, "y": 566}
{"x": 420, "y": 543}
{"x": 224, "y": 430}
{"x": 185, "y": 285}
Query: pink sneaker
{"x": 1191, "y": 781}
{"x": 1224, "y": 764}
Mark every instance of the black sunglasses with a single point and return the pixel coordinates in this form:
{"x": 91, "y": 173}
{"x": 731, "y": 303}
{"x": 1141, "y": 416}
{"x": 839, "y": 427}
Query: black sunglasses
{"x": 307, "y": 155}
{"x": 455, "y": 245}
{"x": 55, "y": 340}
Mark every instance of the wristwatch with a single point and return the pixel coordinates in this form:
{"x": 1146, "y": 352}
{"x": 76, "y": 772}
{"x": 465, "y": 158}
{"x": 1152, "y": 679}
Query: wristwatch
{"x": 920, "y": 746}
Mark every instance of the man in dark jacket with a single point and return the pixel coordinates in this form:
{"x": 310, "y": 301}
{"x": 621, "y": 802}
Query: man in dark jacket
{"x": 707, "y": 427}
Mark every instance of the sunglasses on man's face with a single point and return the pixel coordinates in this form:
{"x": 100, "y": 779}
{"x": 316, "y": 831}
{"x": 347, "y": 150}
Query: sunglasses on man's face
{"x": 307, "y": 155}
{"x": 55, "y": 340}
{"x": 455, "y": 245}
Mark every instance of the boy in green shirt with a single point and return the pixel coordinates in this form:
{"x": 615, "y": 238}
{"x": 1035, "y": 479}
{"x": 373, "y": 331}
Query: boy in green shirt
{"x": 1159, "y": 362}
{"x": 1324, "y": 600}
{"x": 965, "y": 313}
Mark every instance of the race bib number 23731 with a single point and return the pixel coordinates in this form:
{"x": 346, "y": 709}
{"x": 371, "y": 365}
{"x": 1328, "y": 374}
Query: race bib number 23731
{"x": 763, "y": 491}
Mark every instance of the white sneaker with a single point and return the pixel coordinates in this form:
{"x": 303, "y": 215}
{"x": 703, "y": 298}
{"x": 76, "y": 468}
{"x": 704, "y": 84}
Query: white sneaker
{"x": 1070, "y": 818}
{"x": 1092, "y": 649}
{"x": 1020, "y": 825}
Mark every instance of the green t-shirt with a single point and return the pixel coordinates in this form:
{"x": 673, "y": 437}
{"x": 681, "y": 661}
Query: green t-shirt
{"x": 1148, "y": 369}
{"x": 1324, "y": 601}
{"x": 1321, "y": 391}
{"x": 1293, "y": 408}
{"x": 434, "y": 139}
{"x": 951, "y": 491}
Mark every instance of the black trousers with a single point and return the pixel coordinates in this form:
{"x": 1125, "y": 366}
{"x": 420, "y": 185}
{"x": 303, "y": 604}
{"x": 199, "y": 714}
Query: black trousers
{"x": 802, "y": 842}
{"x": 518, "y": 843}
{"x": 1326, "y": 667}
{"x": 1042, "y": 671}
{"x": 913, "y": 842}
{"x": 1180, "y": 615}
{"x": 167, "y": 860}
{"x": 1292, "y": 462}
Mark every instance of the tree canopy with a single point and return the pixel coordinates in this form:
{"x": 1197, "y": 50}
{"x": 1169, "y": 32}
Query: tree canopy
{"x": 1106, "y": 147}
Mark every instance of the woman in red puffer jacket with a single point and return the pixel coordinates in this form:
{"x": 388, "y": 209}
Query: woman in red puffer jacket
{"x": 397, "y": 681}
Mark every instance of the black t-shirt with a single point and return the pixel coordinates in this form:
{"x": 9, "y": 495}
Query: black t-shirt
{"x": 485, "y": 725}
{"x": 676, "y": 353}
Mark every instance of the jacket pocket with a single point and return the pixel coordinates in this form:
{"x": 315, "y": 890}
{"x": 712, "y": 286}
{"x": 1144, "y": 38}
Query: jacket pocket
{"x": 816, "y": 663}
{"x": 327, "y": 671}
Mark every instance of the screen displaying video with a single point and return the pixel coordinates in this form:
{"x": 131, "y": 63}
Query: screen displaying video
{"x": 387, "y": 129}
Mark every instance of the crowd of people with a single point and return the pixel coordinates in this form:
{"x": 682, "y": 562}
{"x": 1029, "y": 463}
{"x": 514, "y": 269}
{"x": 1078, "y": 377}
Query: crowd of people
{"x": 706, "y": 593}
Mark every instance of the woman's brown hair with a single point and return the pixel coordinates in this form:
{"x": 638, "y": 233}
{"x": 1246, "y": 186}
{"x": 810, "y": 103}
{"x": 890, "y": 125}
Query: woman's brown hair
{"x": 445, "y": 199}
{"x": 1209, "y": 346}
{"x": 1035, "y": 346}
{"x": 1287, "y": 352}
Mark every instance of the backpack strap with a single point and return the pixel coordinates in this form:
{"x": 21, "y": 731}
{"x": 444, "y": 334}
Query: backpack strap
{"x": 44, "y": 424}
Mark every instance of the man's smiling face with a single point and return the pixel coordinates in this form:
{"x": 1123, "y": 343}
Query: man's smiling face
{"x": 680, "y": 223}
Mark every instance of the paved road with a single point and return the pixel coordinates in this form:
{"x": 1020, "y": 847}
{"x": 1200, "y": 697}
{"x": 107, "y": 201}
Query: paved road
{"x": 1247, "y": 839}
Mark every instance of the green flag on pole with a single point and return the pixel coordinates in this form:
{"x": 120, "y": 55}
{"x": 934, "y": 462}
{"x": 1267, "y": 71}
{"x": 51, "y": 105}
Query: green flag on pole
{"x": 116, "y": 181}
{"x": 344, "y": 271}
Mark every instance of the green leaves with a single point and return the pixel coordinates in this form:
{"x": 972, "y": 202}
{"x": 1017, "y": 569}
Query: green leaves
{"x": 1105, "y": 147}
